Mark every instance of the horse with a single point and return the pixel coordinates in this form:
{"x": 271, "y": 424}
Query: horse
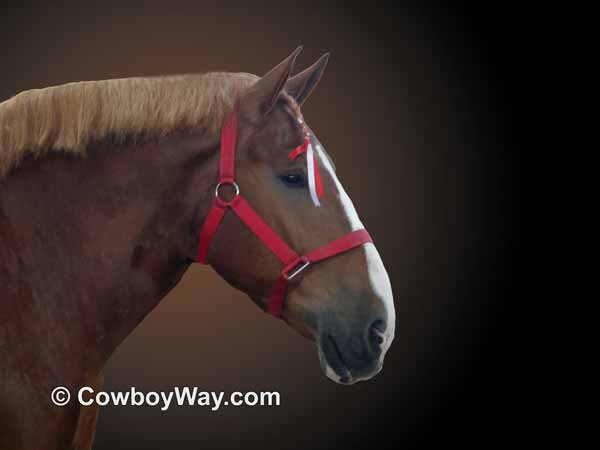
{"x": 106, "y": 189}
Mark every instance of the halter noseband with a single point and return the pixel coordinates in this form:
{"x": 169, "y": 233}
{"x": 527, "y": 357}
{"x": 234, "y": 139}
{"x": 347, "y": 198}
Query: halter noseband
{"x": 294, "y": 264}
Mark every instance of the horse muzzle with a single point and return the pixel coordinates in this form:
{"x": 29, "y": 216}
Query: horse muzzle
{"x": 347, "y": 358}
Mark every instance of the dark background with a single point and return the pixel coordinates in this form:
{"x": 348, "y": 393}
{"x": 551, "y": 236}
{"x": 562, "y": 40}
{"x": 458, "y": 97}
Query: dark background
{"x": 414, "y": 108}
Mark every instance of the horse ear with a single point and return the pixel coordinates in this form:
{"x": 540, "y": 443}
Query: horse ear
{"x": 263, "y": 95}
{"x": 301, "y": 85}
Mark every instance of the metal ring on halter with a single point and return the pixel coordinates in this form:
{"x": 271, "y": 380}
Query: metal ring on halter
{"x": 232, "y": 183}
{"x": 298, "y": 270}
{"x": 295, "y": 268}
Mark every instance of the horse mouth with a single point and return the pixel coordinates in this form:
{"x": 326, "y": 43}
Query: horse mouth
{"x": 332, "y": 361}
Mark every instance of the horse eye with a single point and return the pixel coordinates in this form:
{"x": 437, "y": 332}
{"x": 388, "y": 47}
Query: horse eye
{"x": 293, "y": 180}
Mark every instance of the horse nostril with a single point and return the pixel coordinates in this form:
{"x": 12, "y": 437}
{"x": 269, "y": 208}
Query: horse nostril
{"x": 376, "y": 333}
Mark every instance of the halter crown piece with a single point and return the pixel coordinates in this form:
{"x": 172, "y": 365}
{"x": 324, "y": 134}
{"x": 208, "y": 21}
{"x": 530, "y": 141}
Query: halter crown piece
{"x": 293, "y": 263}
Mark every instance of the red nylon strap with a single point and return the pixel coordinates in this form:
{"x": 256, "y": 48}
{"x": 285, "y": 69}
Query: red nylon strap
{"x": 228, "y": 141}
{"x": 318, "y": 181}
{"x": 294, "y": 263}
{"x": 299, "y": 150}
{"x": 226, "y": 175}
{"x": 211, "y": 224}
{"x": 264, "y": 232}
{"x": 275, "y": 304}
{"x": 341, "y": 245}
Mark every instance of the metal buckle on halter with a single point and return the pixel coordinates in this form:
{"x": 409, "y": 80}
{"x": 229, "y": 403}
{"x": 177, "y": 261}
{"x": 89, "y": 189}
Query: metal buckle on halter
{"x": 296, "y": 267}
{"x": 227, "y": 183}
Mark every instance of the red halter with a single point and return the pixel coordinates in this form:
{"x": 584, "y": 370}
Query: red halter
{"x": 293, "y": 263}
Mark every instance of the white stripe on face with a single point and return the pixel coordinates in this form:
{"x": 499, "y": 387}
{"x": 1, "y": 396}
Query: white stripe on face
{"x": 312, "y": 184}
{"x": 378, "y": 277}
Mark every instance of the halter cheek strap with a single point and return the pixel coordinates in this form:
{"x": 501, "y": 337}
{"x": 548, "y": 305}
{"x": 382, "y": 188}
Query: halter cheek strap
{"x": 293, "y": 264}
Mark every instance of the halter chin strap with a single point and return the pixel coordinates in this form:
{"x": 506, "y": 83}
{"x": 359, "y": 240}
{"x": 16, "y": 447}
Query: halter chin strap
{"x": 293, "y": 263}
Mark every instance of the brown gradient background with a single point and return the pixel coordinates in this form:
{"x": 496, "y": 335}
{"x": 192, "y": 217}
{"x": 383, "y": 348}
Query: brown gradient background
{"x": 411, "y": 110}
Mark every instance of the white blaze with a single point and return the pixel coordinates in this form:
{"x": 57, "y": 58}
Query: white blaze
{"x": 378, "y": 277}
{"x": 312, "y": 184}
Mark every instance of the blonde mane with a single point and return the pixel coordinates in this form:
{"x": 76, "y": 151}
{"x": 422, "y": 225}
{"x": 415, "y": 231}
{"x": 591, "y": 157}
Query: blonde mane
{"x": 69, "y": 117}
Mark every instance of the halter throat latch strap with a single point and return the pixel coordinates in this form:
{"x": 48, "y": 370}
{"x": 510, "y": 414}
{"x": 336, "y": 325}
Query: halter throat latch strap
{"x": 293, "y": 264}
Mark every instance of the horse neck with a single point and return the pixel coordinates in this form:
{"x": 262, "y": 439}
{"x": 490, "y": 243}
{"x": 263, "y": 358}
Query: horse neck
{"x": 93, "y": 244}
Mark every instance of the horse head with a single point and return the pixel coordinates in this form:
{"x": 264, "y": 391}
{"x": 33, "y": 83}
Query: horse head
{"x": 344, "y": 303}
